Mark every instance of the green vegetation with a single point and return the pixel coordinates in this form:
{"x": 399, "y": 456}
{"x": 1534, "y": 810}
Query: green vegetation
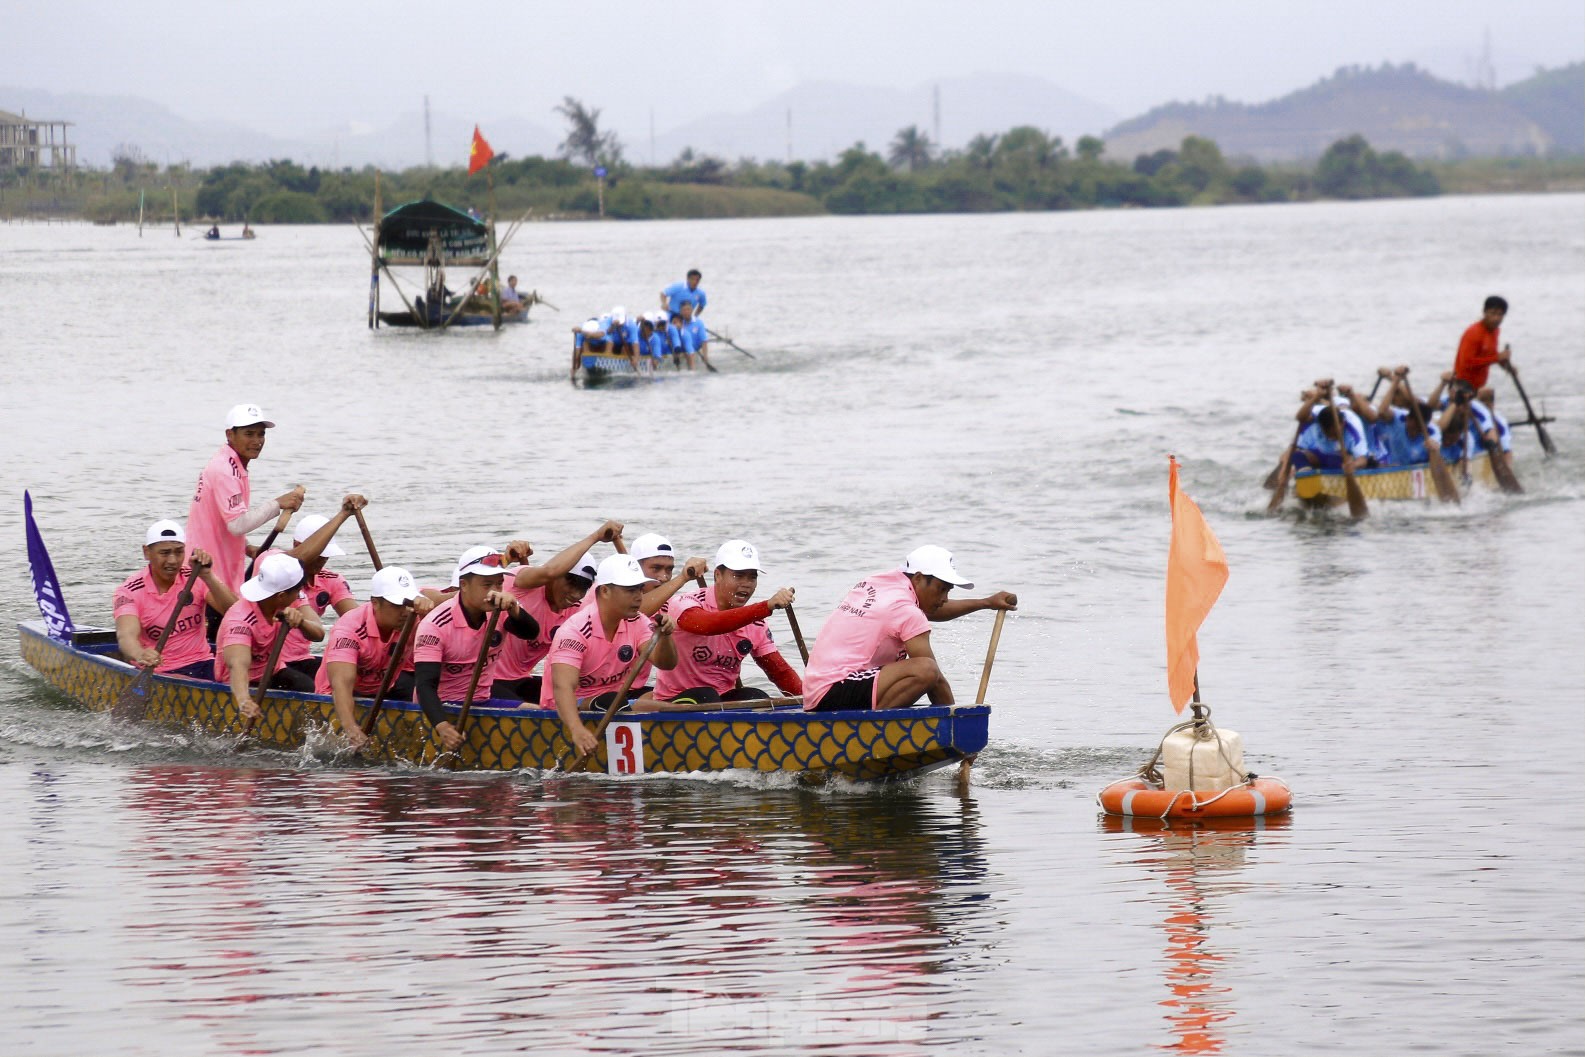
{"x": 1023, "y": 169}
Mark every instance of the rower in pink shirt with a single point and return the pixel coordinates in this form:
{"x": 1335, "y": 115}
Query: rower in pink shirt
{"x": 313, "y": 544}
{"x": 451, "y": 638}
{"x": 358, "y": 649}
{"x": 144, "y": 603}
{"x": 220, "y": 518}
{"x": 717, "y": 629}
{"x": 874, "y": 651}
{"x": 659, "y": 562}
{"x": 552, "y": 593}
{"x": 594, "y": 651}
{"x": 249, "y": 629}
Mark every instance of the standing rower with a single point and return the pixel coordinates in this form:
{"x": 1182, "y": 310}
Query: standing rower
{"x": 359, "y": 648}
{"x": 1477, "y": 348}
{"x": 593, "y": 652}
{"x": 686, "y": 292}
{"x": 451, "y": 638}
{"x": 220, "y": 519}
{"x": 143, "y": 606}
{"x": 717, "y": 629}
{"x": 874, "y": 651}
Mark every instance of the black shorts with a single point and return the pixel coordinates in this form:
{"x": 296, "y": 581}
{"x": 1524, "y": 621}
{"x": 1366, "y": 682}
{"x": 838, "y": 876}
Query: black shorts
{"x": 706, "y": 695}
{"x": 524, "y": 689}
{"x": 850, "y": 695}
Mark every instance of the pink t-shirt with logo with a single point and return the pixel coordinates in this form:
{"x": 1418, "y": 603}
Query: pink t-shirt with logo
{"x": 519, "y": 656}
{"x": 221, "y": 497}
{"x": 602, "y": 663}
{"x": 140, "y": 597}
{"x": 323, "y": 592}
{"x": 444, "y": 636}
{"x": 866, "y": 632}
{"x": 710, "y": 660}
{"x": 244, "y": 625}
{"x": 355, "y": 639}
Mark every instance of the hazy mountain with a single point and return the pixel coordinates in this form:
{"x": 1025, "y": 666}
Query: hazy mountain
{"x": 1394, "y": 107}
{"x": 828, "y": 117}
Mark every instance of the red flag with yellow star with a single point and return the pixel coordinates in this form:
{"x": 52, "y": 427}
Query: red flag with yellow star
{"x": 479, "y": 154}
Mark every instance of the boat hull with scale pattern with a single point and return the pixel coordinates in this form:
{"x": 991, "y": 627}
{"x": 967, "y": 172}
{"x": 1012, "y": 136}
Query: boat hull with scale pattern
{"x": 870, "y": 746}
{"x": 1322, "y": 487}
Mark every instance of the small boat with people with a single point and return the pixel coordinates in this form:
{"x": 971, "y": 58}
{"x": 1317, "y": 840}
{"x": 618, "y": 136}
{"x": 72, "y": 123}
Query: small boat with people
{"x": 503, "y": 736}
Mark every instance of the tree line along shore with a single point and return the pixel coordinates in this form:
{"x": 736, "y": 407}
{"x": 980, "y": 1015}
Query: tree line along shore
{"x": 1022, "y": 169}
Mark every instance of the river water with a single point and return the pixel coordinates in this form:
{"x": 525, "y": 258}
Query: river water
{"x": 1009, "y": 387}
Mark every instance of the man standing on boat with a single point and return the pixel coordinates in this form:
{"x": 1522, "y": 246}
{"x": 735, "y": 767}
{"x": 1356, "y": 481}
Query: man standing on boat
{"x": 143, "y": 606}
{"x": 593, "y": 652}
{"x": 250, "y": 628}
{"x": 717, "y": 629}
{"x": 360, "y": 646}
{"x": 219, "y": 520}
{"x": 451, "y": 639}
{"x": 874, "y": 651}
{"x": 685, "y": 293}
{"x": 1477, "y": 349}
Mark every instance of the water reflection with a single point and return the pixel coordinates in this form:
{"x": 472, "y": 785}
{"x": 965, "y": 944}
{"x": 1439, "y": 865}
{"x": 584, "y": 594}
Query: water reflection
{"x": 678, "y": 914}
{"x": 1198, "y": 863}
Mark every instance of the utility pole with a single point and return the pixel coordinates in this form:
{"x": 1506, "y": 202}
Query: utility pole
{"x": 429, "y": 146}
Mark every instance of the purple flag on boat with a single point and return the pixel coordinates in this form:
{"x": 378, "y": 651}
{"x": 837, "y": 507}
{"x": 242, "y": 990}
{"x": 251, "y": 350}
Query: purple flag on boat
{"x": 46, "y": 588}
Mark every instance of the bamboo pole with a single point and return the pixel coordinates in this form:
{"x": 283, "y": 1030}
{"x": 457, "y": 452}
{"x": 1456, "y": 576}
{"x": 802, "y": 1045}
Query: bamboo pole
{"x": 495, "y": 255}
{"x": 374, "y": 260}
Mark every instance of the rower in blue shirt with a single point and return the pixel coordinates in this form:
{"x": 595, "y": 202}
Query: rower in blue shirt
{"x": 695, "y": 337}
{"x": 1315, "y": 446}
{"x": 678, "y": 294}
{"x": 1397, "y": 436}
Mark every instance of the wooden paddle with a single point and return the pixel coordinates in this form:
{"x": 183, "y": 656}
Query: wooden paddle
{"x": 478, "y": 670}
{"x": 392, "y": 668}
{"x": 1441, "y": 476}
{"x": 1499, "y": 466}
{"x": 967, "y": 765}
{"x": 1540, "y": 430}
{"x": 368, "y": 540}
{"x": 1278, "y": 480}
{"x": 729, "y": 341}
{"x": 269, "y": 671}
{"x": 1357, "y": 508}
{"x": 798, "y": 635}
{"x": 616, "y": 704}
{"x": 134, "y": 700}
{"x": 280, "y": 526}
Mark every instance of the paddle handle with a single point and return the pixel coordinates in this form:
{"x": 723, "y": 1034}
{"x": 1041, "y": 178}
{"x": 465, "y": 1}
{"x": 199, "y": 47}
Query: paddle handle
{"x": 368, "y": 540}
{"x": 280, "y": 526}
{"x": 478, "y": 670}
{"x": 270, "y": 663}
{"x": 798, "y": 635}
{"x": 990, "y": 655}
{"x": 616, "y": 702}
{"x": 1441, "y": 477}
{"x": 391, "y": 669}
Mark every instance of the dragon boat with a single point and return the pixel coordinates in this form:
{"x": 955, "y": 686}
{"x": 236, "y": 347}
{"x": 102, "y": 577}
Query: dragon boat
{"x": 1325, "y": 487}
{"x": 867, "y": 746}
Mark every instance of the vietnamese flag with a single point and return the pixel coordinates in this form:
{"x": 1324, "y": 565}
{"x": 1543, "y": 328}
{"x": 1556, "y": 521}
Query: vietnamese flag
{"x": 479, "y": 154}
{"x": 1196, "y": 572}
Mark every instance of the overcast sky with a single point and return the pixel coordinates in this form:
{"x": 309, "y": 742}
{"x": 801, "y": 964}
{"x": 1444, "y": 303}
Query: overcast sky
{"x": 290, "y": 65}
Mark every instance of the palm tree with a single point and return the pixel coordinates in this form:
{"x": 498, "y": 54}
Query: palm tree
{"x": 911, "y": 149}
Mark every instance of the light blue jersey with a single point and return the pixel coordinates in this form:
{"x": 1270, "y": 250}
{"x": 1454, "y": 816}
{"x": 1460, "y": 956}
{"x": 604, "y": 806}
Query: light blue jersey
{"x": 678, "y": 294}
{"x": 1313, "y": 438}
{"x": 1402, "y": 449}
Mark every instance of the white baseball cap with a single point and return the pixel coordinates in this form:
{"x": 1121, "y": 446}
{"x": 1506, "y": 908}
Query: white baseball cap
{"x": 591, "y": 328}
{"x": 587, "y": 568}
{"x": 621, "y": 570}
{"x": 937, "y": 562}
{"x": 247, "y": 415}
{"x": 479, "y": 561}
{"x": 275, "y": 573}
{"x": 651, "y": 545}
{"x": 311, "y": 524}
{"x": 164, "y": 532}
{"x": 738, "y": 555}
{"x": 619, "y": 314}
{"x": 394, "y": 584}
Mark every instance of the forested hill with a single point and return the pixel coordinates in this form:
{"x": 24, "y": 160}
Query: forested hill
{"x": 1400, "y": 108}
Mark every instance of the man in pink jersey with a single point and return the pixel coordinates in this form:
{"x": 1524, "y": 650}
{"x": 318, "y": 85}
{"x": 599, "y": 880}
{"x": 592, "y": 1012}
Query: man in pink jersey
{"x": 359, "y": 648}
{"x": 659, "y": 562}
{"x": 550, "y": 592}
{"x": 250, "y": 627}
{"x": 220, "y": 519}
{"x": 717, "y": 628}
{"x": 874, "y": 651}
{"x": 313, "y": 544}
{"x": 451, "y": 637}
{"x": 143, "y": 606}
{"x": 594, "y": 650}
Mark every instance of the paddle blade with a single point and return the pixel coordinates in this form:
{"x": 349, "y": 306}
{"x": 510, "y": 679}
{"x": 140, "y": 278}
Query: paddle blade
{"x": 1280, "y": 491}
{"x": 1442, "y": 478}
{"x": 133, "y": 704}
{"x": 1546, "y": 440}
{"x": 1357, "y": 507}
{"x": 1504, "y": 473}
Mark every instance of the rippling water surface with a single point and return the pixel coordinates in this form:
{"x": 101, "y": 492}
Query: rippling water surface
{"x": 1006, "y": 386}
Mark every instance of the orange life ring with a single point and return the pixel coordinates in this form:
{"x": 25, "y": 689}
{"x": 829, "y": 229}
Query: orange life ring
{"x": 1137, "y": 797}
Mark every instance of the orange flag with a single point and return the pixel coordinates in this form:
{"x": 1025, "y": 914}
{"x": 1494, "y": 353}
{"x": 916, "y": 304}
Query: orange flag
{"x": 479, "y": 154}
{"x": 1196, "y": 571}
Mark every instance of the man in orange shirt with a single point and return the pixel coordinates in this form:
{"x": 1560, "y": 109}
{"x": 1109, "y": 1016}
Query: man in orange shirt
{"x": 1477, "y": 349}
